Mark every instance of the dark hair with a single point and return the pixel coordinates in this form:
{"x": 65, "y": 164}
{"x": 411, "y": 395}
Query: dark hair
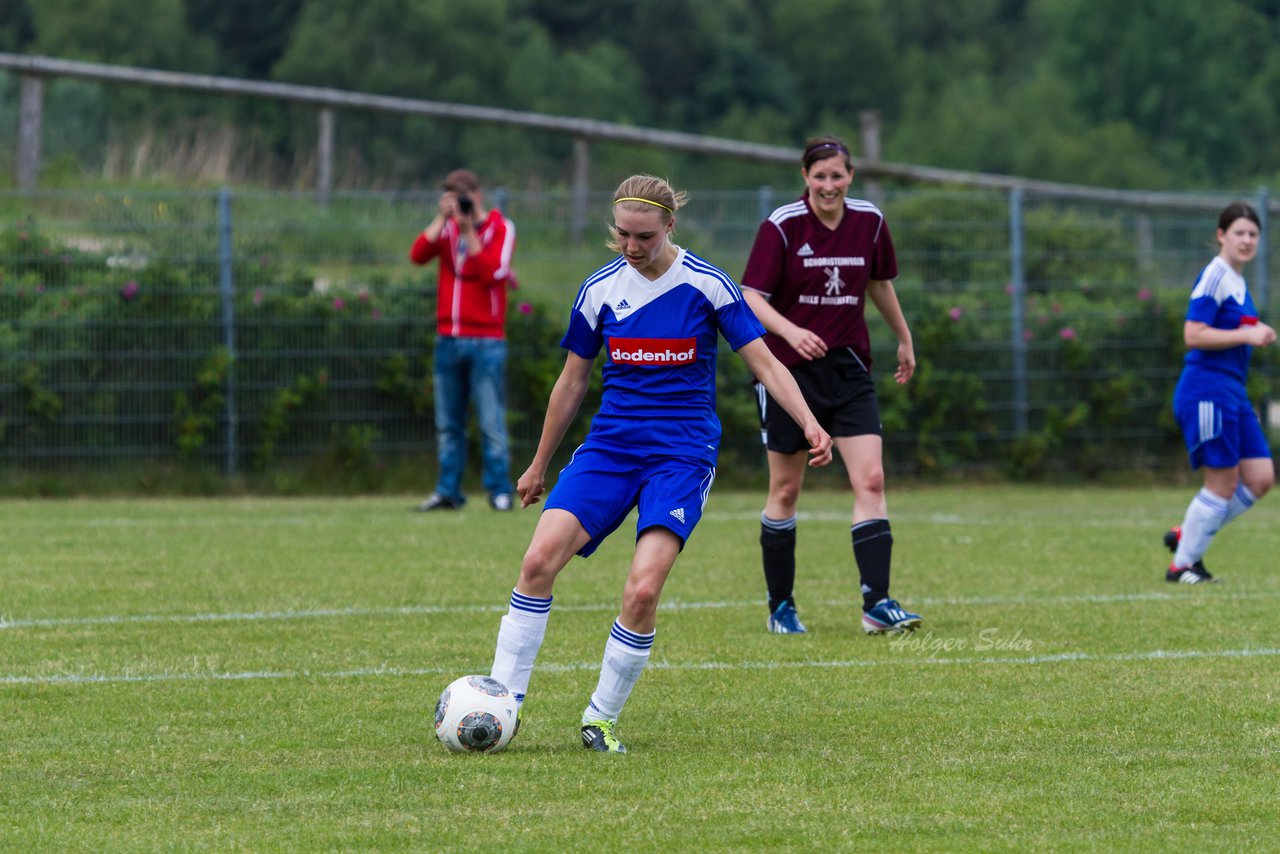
{"x": 822, "y": 147}
{"x": 1235, "y": 211}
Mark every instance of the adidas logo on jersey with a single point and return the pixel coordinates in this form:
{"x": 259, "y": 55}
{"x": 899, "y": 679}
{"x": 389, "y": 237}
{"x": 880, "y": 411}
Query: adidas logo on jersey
{"x": 622, "y": 306}
{"x": 653, "y": 352}
{"x": 804, "y": 251}
{"x": 679, "y": 514}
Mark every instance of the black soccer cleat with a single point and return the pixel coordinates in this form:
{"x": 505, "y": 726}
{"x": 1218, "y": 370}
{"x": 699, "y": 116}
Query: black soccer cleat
{"x": 598, "y": 736}
{"x": 1172, "y": 537}
{"x": 1188, "y": 575}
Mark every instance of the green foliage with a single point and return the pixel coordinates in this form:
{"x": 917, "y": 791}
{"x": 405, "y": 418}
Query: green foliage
{"x": 1050, "y": 89}
{"x": 112, "y": 342}
{"x": 283, "y": 404}
{"x": 197, "y": 414}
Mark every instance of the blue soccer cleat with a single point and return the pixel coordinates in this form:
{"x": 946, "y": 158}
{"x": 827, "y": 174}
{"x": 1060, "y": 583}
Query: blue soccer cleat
{"x": 785, "y": 621}
{"x": 889, "y": 616}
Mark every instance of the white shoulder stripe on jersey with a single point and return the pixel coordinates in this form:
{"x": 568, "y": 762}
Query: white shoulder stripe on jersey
{"x": 603, "y": 273}
{"x": 784, "y": 213}
{"x": 788, "y": 211}
{"x": 1219, "y": 282}
{"x": 863, "y": 206}
{"x": 697, "y": 264}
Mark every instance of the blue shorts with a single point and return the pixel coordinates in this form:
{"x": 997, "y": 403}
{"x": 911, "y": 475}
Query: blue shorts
{"x": 600, "y": 486}
{"x": 1220, "y": 435}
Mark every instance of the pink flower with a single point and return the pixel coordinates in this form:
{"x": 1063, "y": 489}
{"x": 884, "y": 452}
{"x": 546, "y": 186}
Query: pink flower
{"x": 258, "y": 296}
{"x": 130, "y": 290}
{"x": 1026, "y": 335}
{"x": 339, "y": 303}
{"x": 955, "y": 312}
{"x": 1056, "y": 308}
{"x": 1008, "y": 289}
{"x": 363, "y": 296}
{"x": 376, "y": 313}
{"x": 1144, "y": 294}
{"x": 525, "y": 308}
{"x": 1066, "y": 333}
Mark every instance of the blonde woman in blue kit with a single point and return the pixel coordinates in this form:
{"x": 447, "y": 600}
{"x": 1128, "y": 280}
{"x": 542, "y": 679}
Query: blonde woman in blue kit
{"x": 653, "y": 316}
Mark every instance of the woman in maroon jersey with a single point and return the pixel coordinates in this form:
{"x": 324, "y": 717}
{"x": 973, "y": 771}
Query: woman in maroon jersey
{"x": 814, "y": 264}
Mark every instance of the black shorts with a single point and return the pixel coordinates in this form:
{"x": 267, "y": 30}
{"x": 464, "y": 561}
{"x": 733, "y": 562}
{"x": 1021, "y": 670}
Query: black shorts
{"x": 840, "y": 393}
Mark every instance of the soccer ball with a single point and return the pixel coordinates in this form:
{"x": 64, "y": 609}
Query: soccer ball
{"x": 476, "y": 714}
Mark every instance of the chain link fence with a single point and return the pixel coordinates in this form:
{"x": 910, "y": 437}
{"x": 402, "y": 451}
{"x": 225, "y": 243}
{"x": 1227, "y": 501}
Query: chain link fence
{"x": 244, "y": 332}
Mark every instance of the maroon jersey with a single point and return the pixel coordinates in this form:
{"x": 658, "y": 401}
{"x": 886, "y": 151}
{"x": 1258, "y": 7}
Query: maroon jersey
{"x": 817, "y": 277}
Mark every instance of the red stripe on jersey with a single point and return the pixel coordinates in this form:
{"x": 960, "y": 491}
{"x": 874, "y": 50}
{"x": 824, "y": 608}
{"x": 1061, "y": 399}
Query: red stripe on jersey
{"x": 653, "y": 352}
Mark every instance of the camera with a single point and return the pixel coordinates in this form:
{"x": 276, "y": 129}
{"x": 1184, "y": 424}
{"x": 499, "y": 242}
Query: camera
{"x": 465, "y": 204}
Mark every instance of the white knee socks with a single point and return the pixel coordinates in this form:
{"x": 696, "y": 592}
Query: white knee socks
{"x": 625, "y": 655}
{"x": 1206, "y": 514}
{"x": 519, "y": 639}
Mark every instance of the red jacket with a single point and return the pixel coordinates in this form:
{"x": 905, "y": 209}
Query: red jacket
{"x": 471, "y": 301}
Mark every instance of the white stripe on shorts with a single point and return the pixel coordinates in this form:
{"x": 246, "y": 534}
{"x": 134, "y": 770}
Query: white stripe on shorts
{"x": 1210, "y": 421}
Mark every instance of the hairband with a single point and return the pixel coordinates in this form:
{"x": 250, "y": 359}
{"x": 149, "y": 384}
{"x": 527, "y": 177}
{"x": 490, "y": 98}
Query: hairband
{"x": 837, "y": 146}
{"x": 646, "y": 201}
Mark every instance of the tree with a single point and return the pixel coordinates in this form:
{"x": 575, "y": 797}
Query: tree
{"x": 1198, "y": 83}
{"x": 17, "y": 29}
{"x": 251, "y": 35}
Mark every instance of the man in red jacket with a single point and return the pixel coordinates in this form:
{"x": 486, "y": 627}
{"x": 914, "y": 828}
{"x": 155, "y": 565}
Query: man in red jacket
{"x": 474, "y": 246}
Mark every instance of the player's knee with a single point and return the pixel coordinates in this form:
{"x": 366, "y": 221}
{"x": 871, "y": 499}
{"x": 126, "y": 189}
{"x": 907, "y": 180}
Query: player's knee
{"x": 868, "y": 481}
{"x": 785, "y": 493}
{"x": 1260, "y": 483}
{"x": 539, "y": 567}
{"x": 641, "y": 597}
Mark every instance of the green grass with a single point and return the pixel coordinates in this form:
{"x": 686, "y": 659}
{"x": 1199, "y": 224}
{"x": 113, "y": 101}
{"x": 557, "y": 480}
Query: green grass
{"x": 260, "y": 675}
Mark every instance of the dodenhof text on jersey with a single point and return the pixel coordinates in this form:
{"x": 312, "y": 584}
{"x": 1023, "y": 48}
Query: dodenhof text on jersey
{"x": 653, "y": 352}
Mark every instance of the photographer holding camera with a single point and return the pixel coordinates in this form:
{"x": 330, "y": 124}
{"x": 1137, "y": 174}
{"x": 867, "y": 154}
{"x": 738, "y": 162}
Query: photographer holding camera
{"x": 474, "y": 246}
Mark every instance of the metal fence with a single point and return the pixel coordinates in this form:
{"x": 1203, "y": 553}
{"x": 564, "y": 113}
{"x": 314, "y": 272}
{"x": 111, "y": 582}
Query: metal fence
{"x": 242, "y": 331}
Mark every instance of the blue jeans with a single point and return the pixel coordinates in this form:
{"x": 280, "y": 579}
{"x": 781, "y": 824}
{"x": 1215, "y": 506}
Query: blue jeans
{"x": 471, "y": 369}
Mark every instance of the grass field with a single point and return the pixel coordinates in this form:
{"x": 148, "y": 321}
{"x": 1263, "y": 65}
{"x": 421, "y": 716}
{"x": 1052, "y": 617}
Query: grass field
{"x": 260, "y": 675}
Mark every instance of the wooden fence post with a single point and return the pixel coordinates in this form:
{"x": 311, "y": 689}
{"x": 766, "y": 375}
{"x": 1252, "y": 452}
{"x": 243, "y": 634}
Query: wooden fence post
{"x": 30, "y": 118}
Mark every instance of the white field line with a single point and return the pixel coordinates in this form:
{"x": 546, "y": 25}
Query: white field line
{"x": 1028, "y": 515}
{"x": 904, "y": 660}
{"x": 428, "y": 610}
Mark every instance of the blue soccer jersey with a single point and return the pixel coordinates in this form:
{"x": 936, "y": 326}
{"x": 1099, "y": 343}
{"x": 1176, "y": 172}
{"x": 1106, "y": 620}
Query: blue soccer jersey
{"x": 1220, "y": 300}
{"x": 660, "y": 340}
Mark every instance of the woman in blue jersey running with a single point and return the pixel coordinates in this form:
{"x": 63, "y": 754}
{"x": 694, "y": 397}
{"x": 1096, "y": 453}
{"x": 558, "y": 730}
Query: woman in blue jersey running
{"x": 656, "y": 311}
{"x": 1221, "y": 429}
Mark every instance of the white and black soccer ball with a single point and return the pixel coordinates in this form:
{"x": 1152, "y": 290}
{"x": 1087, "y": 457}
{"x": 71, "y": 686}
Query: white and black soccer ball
{"x": 476, "y": 714}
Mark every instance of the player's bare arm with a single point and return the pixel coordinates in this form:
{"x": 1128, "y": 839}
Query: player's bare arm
{"x": 1202, "y": 336}
{"x": 782, "y": 386}
{"x": 808, "y": 344}
{"x": 885, "y": 298}
{"x": 562, "y": 406}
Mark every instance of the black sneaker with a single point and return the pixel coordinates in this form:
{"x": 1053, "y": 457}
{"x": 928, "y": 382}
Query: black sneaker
{"x": 436, "y": 501}
{"x": 1188, "y": 575}
{"x": 598, "y": 735}
{"x": 1172, "y": 537}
